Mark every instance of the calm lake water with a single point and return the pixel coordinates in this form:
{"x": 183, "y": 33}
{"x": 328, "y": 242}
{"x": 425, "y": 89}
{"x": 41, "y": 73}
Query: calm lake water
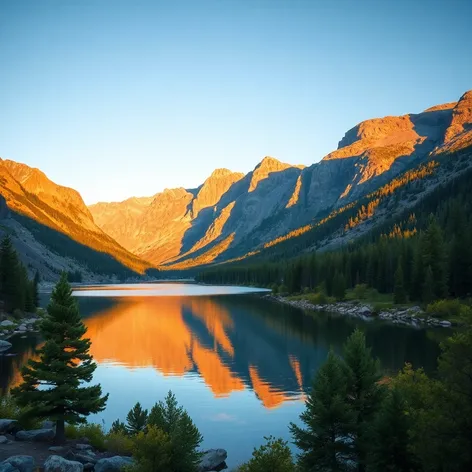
{"x": 240, "y": 364}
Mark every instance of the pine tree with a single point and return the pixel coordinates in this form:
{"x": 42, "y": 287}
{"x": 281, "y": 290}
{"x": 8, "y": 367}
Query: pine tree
{"x": 329, "y": 421}
{"x": 428, "y": 287}
{"x": 64, "y": 363}
{"x": 399, "y": 295}
{"x": 339, "y": 286}
{"x": 363, "y": 391}
{"x": 136, "y": 419}
{"x": 389, "y": 440}
{"x": 11, "y": 281}
{"x": 36, "y": 281}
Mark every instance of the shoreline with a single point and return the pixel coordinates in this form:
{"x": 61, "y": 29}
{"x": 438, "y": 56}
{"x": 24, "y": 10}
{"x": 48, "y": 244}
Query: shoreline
{"x": 413, "y": 316}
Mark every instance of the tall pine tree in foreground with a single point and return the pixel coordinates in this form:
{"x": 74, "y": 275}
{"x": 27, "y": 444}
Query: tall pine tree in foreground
{"x": 329, "y": 422}
{"x": 52, "y": 387}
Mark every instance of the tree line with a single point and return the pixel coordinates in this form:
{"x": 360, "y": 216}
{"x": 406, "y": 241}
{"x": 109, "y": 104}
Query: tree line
{"x": 17, "y": 290}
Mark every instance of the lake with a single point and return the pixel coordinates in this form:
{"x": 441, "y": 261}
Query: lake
{"x": 239, "y": 363}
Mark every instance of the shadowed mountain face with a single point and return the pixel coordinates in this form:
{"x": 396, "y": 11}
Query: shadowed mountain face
{"x": 28, "y": 192}
{"x": 232, "y": 214}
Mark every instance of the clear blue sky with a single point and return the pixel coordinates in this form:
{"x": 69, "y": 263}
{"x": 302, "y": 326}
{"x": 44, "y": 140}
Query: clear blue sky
{"x": 119, "y": 98}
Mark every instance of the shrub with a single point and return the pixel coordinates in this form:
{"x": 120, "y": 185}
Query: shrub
{"x": 93, "y": 432}
{"x": 10, "y": 409}
{"x": 17, "y": 314}
{"x": 360, "y": 291}
{"x": 274, "y": 456}
{"x": 183, "y": 435}
{"x": 275, "y": 289}
{"x": 119, "y": 443}
{"x": 152, "y": 451}
{"x": 118, "y": 427}
{"x": 283, "y": 289}
{"x": 450, "y": 309}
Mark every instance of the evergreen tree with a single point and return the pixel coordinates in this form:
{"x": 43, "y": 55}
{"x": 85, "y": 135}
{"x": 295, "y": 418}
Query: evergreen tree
{"x": 136, "y": 419}
{"x": 399, "y": 295}
{"x": 329, "y": 422}
{"x": 36, "y": 281}
{"x": 64, "y": 363}
{"x": 11, "y": 282}
{"x": 339, "y": 286}
{"x": 363, "y": 391}
{"x": 428, "y": 286}
{"x": 389, "y": 440}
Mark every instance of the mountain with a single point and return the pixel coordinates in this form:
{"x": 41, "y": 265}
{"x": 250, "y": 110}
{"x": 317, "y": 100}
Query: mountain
{"x": 53, "y": 228}
{"x": 233, "y": 214}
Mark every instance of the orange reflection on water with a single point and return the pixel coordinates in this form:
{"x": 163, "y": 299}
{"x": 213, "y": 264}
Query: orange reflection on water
{"x": 269, "y": 396}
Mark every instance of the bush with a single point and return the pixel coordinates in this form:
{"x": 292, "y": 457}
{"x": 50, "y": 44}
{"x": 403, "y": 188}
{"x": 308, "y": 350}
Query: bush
{"x": 152, "y": 451}
{"x": 119, "y": 443}
{"x": 360, "y": 291}
{"x": 283, "y": 289}
{"x": 118, "y": 427}
{"x": 274, "y": 456}
{"x": 183, "y": 435}
{"x": 17, "y": 314}
{"x": 275, "y": 289}
{"x": 93, "y": 432}
{"x": 450, "y": 309}
{"x": 10, "y": 409}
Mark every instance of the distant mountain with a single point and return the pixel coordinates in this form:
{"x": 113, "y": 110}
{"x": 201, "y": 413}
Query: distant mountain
{"x": 233, "y": 214}
{"x": 53, "y": 228}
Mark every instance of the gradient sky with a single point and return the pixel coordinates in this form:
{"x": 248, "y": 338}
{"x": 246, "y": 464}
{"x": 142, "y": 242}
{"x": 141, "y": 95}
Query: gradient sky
{"x": 119, "y": 98}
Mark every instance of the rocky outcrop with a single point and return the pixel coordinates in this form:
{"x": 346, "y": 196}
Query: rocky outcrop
{"x": 59, "y": 464}
{"x": 4, "y": 210}
{"x": 8, "y": 426}
{"x": 213, "y": 459}
{"x": 35, "y": 435}
{"x": 461, "y": 120}
{"x": 113, "y": 464}
{"x": 20, "y": 463}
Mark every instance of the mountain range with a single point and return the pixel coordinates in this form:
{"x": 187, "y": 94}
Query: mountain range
{"x": 231, "y": 215}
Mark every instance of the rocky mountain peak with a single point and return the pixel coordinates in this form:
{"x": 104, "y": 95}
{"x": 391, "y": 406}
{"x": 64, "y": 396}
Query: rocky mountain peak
{"x": 266, "y": 167}
{"x": 461, "y": 117}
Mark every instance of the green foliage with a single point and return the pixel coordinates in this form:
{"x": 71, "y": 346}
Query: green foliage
{"x": 153, "y": 452}
{"x": 360, "y": 291}
{"x": 274, "y": 456}
{"x": 363, "y": 390}
{"x": 118, "y": 427}
{"x": 389, "y": 449}
{"x": 119, "y": 443}
{"x": 136, "y": 419}
{"x": 329, "y": 421}
{"x": 92, "y": 431}
{"x": 74, "y": 277}
{"x": 64, "y": 364}
{"x": 183, "y": 435}
{"x": 399, "y": 293}
{"x": 10, "y": 409}
{"x": 453, "y": 310}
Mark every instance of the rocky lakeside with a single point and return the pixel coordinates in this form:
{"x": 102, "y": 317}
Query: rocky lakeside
{"x": 31, "y": 451}
{"x": 411, "y": 316}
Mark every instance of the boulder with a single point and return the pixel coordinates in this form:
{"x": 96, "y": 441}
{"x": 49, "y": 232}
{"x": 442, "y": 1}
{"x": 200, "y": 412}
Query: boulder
{"x": 83, "y": 447}
{"x": 4, "y": 345}
{"x": 7, "y": 323}
{"x": 364, "y": 310}
{"x": 212, "y": 460}
{"x": 21, "y": 463}
{"x": 35, "y": 435}
{"x": 3, "y": 439}
{"x": 57, "y": 449}
{"x": 7, "y": 426}
{"x": 84, "y": 457}
{"x": 48, "y": 424}
{"x": 59, "y": 464}
{"x": 22, "y": 327}
{"x": 113, "y": 464}
{"x": 445, "y": 323}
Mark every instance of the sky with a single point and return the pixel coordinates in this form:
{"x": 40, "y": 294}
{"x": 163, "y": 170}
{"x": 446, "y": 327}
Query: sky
{"x": 120, "y": 98}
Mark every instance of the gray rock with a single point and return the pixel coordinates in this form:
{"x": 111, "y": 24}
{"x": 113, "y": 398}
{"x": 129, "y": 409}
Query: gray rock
{"x": 57, "y": 449}
{"x": 4, "y": 345}
{"x": 83, "y": 447}
{"x": 22, "y": 463}
{"x": 7, "y": 467}
{"x": 6, "y": 426}
{"x": 113, "y": 464}
{"x": 83, "y": 457}
{"x": 212, "y": 459}
{"x": 364, "y": 310}
{"x": 22, "y": 327}
{"x": 48, "y": 424}
{"x": 445, "y": 323}
{"x": 3, "y": 439}
{"x": 59, "y": 464}
{"x": 35, "y": 435}
{"x": 7, "y": 323}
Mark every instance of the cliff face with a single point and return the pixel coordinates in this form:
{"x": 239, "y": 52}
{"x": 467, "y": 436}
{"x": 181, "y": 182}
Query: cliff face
{"x": 231, "y": 213}
{"x": 30, "y": 193}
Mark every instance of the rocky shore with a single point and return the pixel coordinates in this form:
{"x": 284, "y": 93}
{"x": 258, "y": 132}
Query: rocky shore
{"x": 411, "y": 316}
{"x": 31, "y": 451}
